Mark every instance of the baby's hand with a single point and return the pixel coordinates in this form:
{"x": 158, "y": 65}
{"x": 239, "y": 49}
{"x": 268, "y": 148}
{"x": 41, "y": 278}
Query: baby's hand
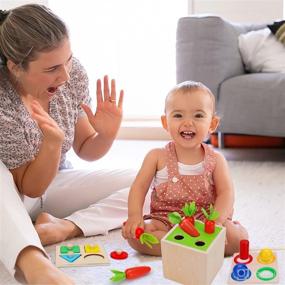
{"x": 130, "y": 226}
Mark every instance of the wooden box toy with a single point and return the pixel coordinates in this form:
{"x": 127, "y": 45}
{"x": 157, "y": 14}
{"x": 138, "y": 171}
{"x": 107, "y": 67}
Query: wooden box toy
{"x": 193, "y": 260}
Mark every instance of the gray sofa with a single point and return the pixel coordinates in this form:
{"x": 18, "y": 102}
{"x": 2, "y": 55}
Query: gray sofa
{"x": 248, "y": 103}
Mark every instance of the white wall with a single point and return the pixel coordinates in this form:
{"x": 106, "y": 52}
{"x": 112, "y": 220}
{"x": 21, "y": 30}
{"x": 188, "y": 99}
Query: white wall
{"x": 8, "y": 4}
{"x": 251, "y": 11}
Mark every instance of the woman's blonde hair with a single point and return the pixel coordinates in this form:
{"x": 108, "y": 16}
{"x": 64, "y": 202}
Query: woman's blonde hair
{"x": 27, "y": 30}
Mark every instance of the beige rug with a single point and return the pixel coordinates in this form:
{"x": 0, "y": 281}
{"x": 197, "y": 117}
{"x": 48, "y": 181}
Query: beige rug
{"x": 260, "y": 206}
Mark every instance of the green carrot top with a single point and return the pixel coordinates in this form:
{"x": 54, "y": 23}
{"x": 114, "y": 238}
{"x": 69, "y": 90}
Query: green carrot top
{"x": 148, "y": 239}
{"x": 213, "y": 214}
{"x": 189, "y": 209}
{"x": 174, "y": 218}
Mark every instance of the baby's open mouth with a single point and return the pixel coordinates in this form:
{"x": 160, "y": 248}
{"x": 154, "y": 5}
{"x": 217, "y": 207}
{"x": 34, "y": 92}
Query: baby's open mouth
{"x": 187, "y": 135}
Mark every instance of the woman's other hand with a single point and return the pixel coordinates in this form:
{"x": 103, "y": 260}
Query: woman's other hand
{"x": 51, "y": 131}
{"x": 108, "y": 116}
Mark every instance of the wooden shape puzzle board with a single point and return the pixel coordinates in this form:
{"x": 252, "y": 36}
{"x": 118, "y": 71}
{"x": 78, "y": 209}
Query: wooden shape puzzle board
{"x": 80, "y": 255}
{"x": 254, "y": 266}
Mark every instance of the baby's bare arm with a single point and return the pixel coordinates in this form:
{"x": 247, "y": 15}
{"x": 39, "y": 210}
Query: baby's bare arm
{"x": 224, "y": 188}
{"x": 138, "y": 192}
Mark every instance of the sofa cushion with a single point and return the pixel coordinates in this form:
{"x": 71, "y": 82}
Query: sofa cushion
{"x": 262, "y": 52}
{"x": 278, "y": 30}
{"x": 253, "y": 104}
{"x": 207, "y": 50}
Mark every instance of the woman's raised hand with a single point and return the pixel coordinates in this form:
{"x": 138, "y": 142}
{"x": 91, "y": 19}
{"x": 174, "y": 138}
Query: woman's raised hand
{"x": 108, "y": 115}
{"x": 51, "y": 131}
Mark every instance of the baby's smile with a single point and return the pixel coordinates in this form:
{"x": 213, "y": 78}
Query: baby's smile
{"x": 187, "y": 134}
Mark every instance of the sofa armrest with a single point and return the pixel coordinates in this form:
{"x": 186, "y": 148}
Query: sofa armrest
{"x": 207, "y": 50}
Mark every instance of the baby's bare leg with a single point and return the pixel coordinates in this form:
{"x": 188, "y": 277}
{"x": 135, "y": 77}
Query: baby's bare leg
{"x": 156, "y": 228}
{"x": 235, "y": 233}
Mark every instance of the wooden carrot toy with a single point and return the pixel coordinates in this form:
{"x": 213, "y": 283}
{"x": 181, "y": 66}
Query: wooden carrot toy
{"x": 189, "y": 211}
{"x": 146, "y": 238}
{"x": 130, "y": 273}
{"x": 187, "y": 223}
{"x": 210, "y": 219}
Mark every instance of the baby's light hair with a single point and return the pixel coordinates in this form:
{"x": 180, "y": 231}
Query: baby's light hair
{"x": 188, "y": 86}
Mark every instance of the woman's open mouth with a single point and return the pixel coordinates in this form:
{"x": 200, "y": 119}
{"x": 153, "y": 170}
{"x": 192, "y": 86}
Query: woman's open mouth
{"x": 52, "y": 90}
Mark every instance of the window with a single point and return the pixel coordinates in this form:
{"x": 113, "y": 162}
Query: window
{"x": 132, "y": 41}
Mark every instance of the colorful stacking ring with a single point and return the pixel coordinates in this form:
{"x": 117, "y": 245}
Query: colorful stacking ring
{"x": 119, "y": 254}
{"x": 240, "y": 272}
{"x": 262, "y": 270}
{"x": 266, "y": 256}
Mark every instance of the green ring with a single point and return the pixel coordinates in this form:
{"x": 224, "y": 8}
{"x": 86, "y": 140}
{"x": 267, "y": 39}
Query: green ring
{"x": 262, "y": 269}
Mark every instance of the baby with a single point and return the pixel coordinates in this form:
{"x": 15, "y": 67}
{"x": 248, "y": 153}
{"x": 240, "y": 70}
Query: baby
{"x": 185, "y": 170}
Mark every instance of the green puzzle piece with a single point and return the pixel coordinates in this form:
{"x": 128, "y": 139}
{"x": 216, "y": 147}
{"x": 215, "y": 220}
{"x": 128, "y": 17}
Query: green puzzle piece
{"x": 66, "y": 249}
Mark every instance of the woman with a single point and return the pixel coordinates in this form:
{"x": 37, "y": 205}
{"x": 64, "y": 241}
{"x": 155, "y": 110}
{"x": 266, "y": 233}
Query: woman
{"x": 44, "y": 111}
